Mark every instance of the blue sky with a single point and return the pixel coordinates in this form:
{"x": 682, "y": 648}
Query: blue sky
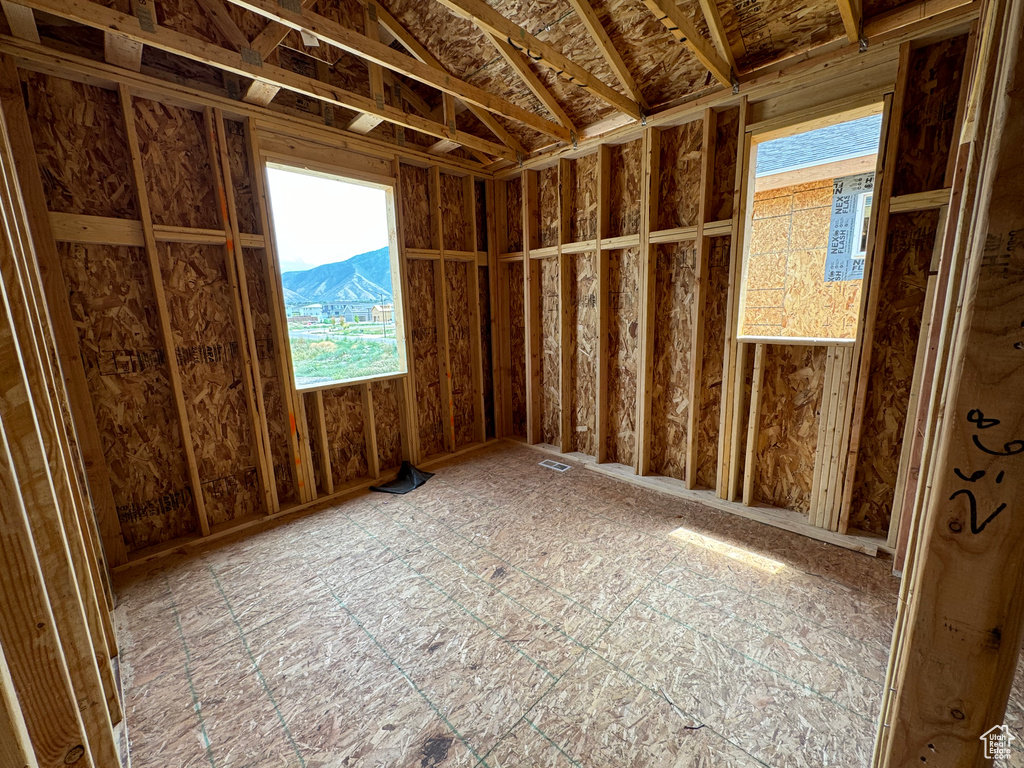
{"x": 319, "y": 220}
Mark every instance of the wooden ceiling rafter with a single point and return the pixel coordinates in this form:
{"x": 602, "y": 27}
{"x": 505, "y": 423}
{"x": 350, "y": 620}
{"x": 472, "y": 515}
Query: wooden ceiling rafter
{"x": 418, "y": 51}
{"x": 542, "y": 53}
{"x": 218, "y": 14}
{"x": 359, "y": 45}
{"x": 604, "y": 44}
{"x": 521, "y": 66}
{"x": 719, "y": 36}
{"x": 241, "y": 63}
{"x": 670, "y": 15}
{"x": 853, "y": 20}
{"x": 265, "y": 43}
{"x": 365, "y": 123}
{"x": 21, "y": 21}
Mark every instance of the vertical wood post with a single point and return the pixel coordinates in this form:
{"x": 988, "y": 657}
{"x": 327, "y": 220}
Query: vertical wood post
{"x": 700, "y": 278}
{"x": 647, "y": 288}
{"x": 298, "y": 447}
{"x": 734, "y": 355}
{"x": 566, "y": 311}
{"x": 531, "y": 306}
{"x": 234, "y": 270}
{"x": 604, "y": 182}
{"x": 163, "y": 314}
{"x": 955, "y": 655}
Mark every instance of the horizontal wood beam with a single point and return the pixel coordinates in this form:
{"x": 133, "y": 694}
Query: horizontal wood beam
{"x": 376, "y": 52}
{"x": 546, "y": 55}
{"x": 100, "y": 17}
{"x": 669, "y": 14}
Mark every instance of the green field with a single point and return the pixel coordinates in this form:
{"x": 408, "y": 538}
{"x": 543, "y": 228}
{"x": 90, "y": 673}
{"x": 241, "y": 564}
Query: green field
{"x": 332, "y": 355}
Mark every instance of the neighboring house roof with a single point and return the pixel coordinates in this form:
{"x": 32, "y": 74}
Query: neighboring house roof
{"x": 855, "y": 138}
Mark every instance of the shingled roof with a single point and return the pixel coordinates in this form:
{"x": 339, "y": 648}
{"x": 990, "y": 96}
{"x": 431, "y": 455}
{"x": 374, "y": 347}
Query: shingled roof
{"x": 843, "y": 141}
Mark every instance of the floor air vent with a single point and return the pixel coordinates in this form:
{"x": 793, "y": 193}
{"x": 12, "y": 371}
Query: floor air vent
{"x": 555, "y": 465}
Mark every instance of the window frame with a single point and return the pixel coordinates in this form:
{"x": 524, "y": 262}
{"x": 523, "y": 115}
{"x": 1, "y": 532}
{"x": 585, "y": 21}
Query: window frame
{"x": 334, "y": 168}
{"x": 768, "y": 130}
{"x": 863, "y": 229}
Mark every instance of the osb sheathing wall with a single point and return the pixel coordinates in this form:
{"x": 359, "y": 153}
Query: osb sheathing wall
{"x": 714, "y": 412}
{"x": 786, "y": 292}
{"x": 181, "y": 336}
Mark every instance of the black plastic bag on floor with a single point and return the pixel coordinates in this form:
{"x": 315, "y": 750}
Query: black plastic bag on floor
{"x": 408, "y": 478}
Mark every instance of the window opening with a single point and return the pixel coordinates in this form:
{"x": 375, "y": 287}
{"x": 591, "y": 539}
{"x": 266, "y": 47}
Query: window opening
{"x": 338, "y": 277}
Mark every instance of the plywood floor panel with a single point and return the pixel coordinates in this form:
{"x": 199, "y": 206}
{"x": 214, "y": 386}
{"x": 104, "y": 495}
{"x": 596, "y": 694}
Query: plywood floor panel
{"x": 507, "y": 615}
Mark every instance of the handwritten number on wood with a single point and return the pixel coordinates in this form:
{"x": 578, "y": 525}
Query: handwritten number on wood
{"x": 1011, "y": 448}
{"x": 975, "y": 528}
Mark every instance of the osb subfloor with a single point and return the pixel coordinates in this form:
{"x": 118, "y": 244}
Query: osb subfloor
{"x": 508, "y": 615}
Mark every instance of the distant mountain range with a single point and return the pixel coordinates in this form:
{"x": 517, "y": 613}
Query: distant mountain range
{"x": 362, "y": 278}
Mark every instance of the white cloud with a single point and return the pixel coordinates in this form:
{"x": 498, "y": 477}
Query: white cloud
{"x": 320, "y": 220}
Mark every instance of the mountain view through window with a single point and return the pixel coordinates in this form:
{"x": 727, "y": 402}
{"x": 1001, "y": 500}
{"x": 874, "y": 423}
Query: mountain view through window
{"x": 333, "y": 251}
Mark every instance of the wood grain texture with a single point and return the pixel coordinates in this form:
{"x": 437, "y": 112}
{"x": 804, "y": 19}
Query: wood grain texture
{"x": 416, "y": 207}
{"x": 346, "y": 444}
{"x": 514, "y": 213}
{"x": 176, "y": 163}
{"x": 584, "y": 356}
{"x": 460, "y": 358}
{"x": 623, "y": 274}
{"x": 486, "y": 349}
{"x": 926, "y": 128}
{"x": 680, "y": 188}
{"x": 81, "y": 147}
{"x": 517, "y": 348}
{"x": 670, "y": 398}
{"x": 453, "y": 214}
{"x": 277, "y": 425}
{"x": 583, "y": 211}
{"x": 423, "y": 327}
{"x": 711, "y": 379}
{"x": 624, "y": 200}
{"x": 210, "y": 363}
{"x": 110, "y": 297}
{"x": 791, "y": 396}
{"x": 550, "y": 348}
{"x": 387, "y": 421}
{"x": 547, "y": 185}
{"x": 723, "y": 177}
{"x": 908, "y": 253}
{"x": 241, "y": 177}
